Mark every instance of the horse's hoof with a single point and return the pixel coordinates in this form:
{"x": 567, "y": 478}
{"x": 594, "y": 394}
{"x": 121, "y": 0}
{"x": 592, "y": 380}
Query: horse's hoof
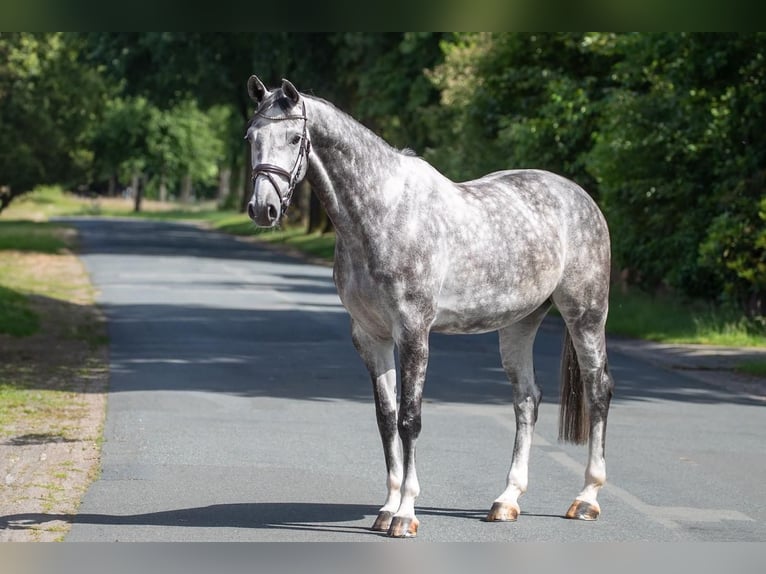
{"x": 383, "y": 521}
{"x": 403, "y": 527}
{"x": 503, "y": 512}
{"x": 582, "y": 510}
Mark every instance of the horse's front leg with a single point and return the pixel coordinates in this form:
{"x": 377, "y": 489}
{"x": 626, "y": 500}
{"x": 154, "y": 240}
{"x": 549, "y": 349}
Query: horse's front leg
{"x": 378, "y": 356}
{"x": 413, "y": 359}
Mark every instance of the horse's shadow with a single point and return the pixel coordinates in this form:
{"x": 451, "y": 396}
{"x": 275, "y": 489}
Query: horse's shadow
{"x": 306, "y": 516}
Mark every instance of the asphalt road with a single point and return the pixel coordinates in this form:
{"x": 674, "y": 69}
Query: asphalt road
{"x": 239, "y": 411}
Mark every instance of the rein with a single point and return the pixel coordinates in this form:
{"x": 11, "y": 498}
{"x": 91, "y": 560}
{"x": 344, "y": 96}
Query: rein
{"x": 270, "y": 170}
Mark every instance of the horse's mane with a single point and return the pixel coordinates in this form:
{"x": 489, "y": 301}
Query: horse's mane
{"x": 278, "y": 99}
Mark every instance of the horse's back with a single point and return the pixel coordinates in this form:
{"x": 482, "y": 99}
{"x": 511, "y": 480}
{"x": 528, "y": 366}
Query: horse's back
{"x": 541, "y": 207}
{"x": 516, "y": 237}
{"x": 538, "y": 190}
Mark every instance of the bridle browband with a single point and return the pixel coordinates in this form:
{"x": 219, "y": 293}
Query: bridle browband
{"x": 269, "y": 170}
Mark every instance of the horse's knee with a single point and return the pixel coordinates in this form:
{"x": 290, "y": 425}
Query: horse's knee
{"x": 409, "y": 425}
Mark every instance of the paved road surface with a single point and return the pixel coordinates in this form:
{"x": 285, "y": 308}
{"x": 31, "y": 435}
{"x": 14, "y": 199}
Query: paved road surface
{"x": 239, "y": 411}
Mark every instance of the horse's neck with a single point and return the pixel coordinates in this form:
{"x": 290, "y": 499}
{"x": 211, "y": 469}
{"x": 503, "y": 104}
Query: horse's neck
{"x": 349, "y": 169}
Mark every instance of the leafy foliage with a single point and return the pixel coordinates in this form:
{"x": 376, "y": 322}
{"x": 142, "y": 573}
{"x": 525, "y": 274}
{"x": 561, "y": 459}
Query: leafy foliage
{"x": 679, "y": 161}
{"x": 48, "y": 102}
{"x": 664, "y": 130}
{"x": 519, "y": 100}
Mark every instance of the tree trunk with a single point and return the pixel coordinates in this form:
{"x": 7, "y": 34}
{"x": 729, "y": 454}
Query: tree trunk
{"x": 224, "y": 185}
{"x": 137, "y": 184}
{"x": 316, "y": 214}
{"x": 5, "y": 197}
{"x": 163, "y": 189}
{"x": 112, "y": 189}
{"x": 186, "y": 188}
{"x": 303, "y": 200}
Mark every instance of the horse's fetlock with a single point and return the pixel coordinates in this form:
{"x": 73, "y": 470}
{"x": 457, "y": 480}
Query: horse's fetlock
{"x": 394, "y": 482}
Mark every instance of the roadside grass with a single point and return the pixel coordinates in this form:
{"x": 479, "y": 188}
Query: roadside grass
{"x": 315, "y": 244}
{"x": 45, "y": 202}
{"x": 753, "y": 368}
{"x": 39, "y": 237}
{"x": 34, "y": 279}
{"x": 16, "y": 318}
{"x": 53, "y": 365}
{"x": 154, "y": 210}
{"x": 19, "y": 240}
{"x": 668, "y": 319}
{"x": 45, "y": 410}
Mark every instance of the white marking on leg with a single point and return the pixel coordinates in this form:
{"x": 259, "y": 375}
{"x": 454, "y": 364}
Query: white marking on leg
{"x": 518, "y": 475}
{"x": 386, "y": 384}
{"x": 595, "y": 471}
{"x": 516, "y": 342}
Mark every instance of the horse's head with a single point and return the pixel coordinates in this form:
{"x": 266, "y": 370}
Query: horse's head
{"x": 280, "y": 147}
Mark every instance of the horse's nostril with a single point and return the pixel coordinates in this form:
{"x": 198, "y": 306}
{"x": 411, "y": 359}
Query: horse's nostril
{"x": 250, "y": 211}
{"x": 272, "y": 213}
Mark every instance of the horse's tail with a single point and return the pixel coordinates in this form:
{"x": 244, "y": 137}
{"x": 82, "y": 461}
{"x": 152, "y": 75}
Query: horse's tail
{"x": 574, "y": 423}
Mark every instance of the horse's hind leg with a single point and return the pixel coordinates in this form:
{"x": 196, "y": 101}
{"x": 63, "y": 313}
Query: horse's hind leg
{"x": 585, "y": 402}
{"x": 516, "y": 342}
{"x": 378, "y": 356}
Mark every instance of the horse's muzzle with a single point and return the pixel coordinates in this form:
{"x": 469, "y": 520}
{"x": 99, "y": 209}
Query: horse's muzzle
{"x": 265, "y": 215}
{"x": 264, "y": 207}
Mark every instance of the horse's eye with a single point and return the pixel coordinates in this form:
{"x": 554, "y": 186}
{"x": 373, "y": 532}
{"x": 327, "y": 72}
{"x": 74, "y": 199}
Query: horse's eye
{"x": 295, "y": 139}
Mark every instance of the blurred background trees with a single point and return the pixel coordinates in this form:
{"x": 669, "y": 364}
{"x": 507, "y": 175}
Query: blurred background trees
{"x": 664, "y": 130}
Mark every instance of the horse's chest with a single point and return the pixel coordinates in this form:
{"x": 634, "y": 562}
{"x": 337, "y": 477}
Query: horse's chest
{"x": 382, "y": 298}
{"x": 364, "y": 300}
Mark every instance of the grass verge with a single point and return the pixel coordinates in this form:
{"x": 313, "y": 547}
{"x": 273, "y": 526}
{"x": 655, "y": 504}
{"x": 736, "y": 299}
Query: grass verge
{"x": 16, "y": 317}
{"x": 53, "y": 374}
{"x": 752, "y": 368}
{"x": 315, "y": 244}
{"x": 667, "y": 319}
{"x": 37, "y": 237}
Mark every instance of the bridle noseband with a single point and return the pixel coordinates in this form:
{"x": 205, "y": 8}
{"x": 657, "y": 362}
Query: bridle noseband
{"x": 269, "y": 170}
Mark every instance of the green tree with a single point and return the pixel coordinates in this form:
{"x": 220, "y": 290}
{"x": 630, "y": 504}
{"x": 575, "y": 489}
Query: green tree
{"x": 382, "y": 82}
{"x": 119, "y": 141}
{"x": 376, "y": 77}
{"x": 48, "y": 103}
{"x": 209, "y": 68}
{"x": 183, "y": 148}
{"x": 679, "y": 158}
{"x": 520, "y": 101}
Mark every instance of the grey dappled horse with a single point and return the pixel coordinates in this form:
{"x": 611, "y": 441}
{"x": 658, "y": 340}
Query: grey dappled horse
{"x": 417, "y": 253}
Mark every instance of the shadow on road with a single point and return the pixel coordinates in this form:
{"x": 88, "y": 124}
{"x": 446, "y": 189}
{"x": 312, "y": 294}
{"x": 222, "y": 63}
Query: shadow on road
{"x": 266, "y": 515}
{"x": 308, "y": 354}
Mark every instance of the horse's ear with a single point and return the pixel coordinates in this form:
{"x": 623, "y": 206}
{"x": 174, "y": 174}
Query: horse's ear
{"x": 290, "y": 92}
{"x": 256, "y": 89}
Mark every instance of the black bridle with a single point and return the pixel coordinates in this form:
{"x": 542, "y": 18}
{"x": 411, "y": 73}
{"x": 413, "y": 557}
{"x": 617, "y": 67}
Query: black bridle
{"x": 270, "y": 170}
